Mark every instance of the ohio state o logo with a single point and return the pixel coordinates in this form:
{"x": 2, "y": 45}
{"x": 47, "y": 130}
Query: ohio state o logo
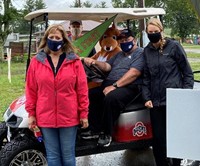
{"x": 139, "y": 129}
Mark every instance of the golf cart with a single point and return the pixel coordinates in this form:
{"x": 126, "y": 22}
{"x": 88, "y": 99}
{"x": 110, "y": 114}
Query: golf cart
{"x": 133, "y": 129}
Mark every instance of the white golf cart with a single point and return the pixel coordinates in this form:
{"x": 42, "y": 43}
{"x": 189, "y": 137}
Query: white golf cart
{"x": 19, "y": 147}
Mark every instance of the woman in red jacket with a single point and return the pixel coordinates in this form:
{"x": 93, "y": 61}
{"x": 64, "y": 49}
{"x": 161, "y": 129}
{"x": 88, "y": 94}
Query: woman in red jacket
{"x": 57, "y": 96}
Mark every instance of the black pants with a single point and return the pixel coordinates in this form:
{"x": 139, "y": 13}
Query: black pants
{"x": 96, "y": 97}
{"x": 105, "y": 110}
{"x": 158, "y": 121}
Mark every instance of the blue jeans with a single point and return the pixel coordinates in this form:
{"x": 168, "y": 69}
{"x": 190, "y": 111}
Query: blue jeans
{"x": 60, "y": 145}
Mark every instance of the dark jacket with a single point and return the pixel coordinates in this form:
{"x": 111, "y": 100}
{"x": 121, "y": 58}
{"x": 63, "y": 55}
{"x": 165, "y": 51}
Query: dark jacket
{"x": 167, "y": 69}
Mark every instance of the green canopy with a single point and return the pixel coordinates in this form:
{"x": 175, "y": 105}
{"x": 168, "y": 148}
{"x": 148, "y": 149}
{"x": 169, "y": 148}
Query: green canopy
{"x": 196, "y": 4}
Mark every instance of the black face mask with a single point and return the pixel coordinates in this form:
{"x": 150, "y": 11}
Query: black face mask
{"x": 154, "y": 37}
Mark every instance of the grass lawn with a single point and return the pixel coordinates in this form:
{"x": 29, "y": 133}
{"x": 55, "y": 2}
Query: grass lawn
{"x": 193, "y": 55}
{"x": 196, "y": 67}
{"x": 192, "y": 46}
{"x": 13, "y": 90}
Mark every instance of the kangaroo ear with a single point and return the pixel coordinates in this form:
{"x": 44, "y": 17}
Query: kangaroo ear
{"x": 113, "y": 25}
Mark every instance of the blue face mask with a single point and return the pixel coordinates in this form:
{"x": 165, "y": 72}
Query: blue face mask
{"x": 54, "y": 45}
{"x": 127, "y": 47}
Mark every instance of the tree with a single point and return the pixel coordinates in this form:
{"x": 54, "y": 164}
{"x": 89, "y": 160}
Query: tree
{"x": 155, "y": 3}
{"x": 102, "y": 4}
{"x": 133, "y": 24}
{"x": 21, "y": 25}
{"x": 76, "y": 4}
{"x": 124, "y": 4}
{"x": 181, "y": 18}
{"x": 7, "y": 17}
{"x": 196, "y": 6}
{"x": 87, "y": 4}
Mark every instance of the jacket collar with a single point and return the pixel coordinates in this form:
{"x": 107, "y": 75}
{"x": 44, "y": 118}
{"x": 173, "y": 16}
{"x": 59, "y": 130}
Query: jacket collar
{"x": 41, "y": 56}
{"x": 150, "y": 45}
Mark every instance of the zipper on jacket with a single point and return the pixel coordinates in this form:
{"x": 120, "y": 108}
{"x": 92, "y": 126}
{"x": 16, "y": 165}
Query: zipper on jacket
{"x": 54, "y": 71}
{"x": 55, "y": 93}
{"x": 159, "y": 78}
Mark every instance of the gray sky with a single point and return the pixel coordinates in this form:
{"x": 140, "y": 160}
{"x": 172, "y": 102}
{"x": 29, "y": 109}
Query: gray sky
{"x": 60, "y": 4}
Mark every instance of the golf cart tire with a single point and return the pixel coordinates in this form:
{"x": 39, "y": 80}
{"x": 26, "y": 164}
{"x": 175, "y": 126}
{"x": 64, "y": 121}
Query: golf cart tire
{"x": 3, "y": 133}
{"x": 24, "y": 147}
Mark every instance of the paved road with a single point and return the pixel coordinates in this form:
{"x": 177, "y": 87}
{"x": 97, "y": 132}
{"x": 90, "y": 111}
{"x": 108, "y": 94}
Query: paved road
{"x": 189, "y": 50}
{"x": 119, "y": 158}
{"x": 192, "y": 50}
{"x": 125, "y": 158}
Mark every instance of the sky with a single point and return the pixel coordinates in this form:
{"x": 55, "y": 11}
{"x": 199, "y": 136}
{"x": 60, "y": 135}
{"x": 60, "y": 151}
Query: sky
{"x": 60, "y": 4}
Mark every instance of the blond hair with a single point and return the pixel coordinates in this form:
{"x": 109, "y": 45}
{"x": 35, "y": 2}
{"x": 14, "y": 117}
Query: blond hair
{"x": 67, "y": 47}
{"x": 156, "y": 22}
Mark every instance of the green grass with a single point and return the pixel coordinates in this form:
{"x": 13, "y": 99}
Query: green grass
{"x": 196, "y": 67}
{"x": 193, "y": 55}
{"x": 192, "y": 46}
{"x": 13, "y": 90}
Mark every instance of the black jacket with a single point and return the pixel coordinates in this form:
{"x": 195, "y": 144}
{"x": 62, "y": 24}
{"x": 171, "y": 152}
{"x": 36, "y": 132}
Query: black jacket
{"x": 169, "y": 69}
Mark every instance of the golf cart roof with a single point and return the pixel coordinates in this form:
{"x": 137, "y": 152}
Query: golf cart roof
{"x": 96, "y": 14}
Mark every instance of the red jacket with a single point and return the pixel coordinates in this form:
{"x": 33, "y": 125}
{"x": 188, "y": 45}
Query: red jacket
{"x": 58, "y": 101}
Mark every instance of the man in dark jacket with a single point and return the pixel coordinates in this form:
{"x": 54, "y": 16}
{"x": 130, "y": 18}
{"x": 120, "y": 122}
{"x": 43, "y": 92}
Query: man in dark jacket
{"x": 120, "y": 87}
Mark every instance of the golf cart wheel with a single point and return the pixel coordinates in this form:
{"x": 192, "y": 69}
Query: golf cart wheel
{"x": 24, "y": 152}
{"x": 3, "y": 134}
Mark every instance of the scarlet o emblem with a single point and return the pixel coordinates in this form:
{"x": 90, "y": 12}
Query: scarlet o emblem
{"x": 139, "y": 129}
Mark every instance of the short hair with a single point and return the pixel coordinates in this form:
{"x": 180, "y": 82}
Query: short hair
{"x": 75, "y": 21}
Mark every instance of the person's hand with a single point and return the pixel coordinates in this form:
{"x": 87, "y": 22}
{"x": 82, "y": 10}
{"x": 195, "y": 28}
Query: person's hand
{"x": 84, "y": 123}
{"x": 31, "y": 122}
{"x": 108, "y": 89}
{"x": 149, "y": 104}
{"x": 89, "y": 61}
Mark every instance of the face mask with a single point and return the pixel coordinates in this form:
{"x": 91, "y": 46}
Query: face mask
{"x": 54, "y": 45}
{"x": 126, "y": 47}
{"x": 154, "y": 37}
{"x": 76, "y": 32}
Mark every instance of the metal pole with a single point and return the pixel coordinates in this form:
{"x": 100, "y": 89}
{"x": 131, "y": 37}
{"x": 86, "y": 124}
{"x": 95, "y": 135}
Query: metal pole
{"x": 29, "y": 48}
{"x": 141, "y": 4}
{"x": 46, "y": 19}
{"x": 79, "y": 3}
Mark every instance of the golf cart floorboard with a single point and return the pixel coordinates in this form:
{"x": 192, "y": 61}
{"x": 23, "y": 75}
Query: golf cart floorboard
{"x": 89, "y": 147}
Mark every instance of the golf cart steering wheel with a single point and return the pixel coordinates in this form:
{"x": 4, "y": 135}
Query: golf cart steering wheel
{"x": 93, "y": 71}
{"x": 196, "y": 72}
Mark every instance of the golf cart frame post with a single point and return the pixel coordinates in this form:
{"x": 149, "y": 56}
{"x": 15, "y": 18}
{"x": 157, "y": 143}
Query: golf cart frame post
{"x": 38, "y": 19}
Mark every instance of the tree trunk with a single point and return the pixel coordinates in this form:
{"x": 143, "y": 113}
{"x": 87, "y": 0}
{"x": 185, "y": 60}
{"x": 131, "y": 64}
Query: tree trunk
{"x": 141, "y": 22}
{"x": 1, "y": 51}
{"x": 182, "y": 39}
